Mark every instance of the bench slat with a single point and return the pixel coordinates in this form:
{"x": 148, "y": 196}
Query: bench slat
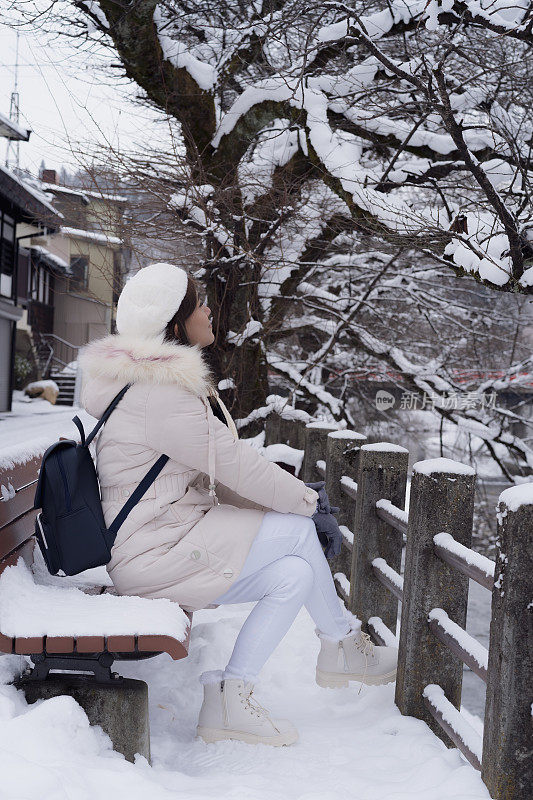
{"x": 90, "y": 644}
{"x": 163, "y": 644}
{"x": 6, "y": 644}
{"x": 59, "y": 644}
{"x": 18, "y": 532}
{"x": 121, "y": 644}
{"x": 27, "y": 646}
{"x": 20, "y": 475}
{"x": 26, "y": 551}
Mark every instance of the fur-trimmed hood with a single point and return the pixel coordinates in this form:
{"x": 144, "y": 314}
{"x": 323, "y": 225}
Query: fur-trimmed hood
{"x": 128, "y": 359}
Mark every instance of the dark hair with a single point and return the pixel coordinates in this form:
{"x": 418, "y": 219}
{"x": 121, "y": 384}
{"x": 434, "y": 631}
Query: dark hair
{"x": 187, "y": 307}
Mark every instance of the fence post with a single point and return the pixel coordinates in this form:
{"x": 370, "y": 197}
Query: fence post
{"x": 272, "y": 428}
{"x": 507, "y": 765}
{"x": 315, "y": 449}
{"x": 342, "y": 458}
{"x": 292, "y": 432}
{"x": 382, "y": 474}
{"x": 441, "y": 499}
{"x": 286, "y": 428}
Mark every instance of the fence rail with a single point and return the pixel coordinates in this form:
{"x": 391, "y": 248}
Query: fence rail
{"x": 368, "y": 481}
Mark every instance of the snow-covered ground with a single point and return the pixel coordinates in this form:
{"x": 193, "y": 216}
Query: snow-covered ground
{"x": 352, "y": 744}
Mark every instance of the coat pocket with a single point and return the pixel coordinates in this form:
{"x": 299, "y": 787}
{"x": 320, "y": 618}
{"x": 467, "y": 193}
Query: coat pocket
{"x": 187, "y": 512}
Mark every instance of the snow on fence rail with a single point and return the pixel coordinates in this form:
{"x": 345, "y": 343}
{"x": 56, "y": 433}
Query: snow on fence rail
{"x": 368, "y": 483}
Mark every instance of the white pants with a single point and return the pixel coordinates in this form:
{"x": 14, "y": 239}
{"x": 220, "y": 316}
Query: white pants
{"x": 285, "y": 569}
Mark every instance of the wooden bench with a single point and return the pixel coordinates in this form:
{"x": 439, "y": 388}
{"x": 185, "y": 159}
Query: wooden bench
{"x": 73, "y": 654}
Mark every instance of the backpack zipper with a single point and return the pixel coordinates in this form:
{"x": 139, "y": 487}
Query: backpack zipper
{"x": 65, "y": 484}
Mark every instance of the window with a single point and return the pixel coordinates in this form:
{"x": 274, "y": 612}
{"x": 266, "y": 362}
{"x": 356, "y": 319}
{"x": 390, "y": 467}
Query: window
{"x": 39, "y": 288}
{"x": 7, "y": 255}
{"x": 79, "y": 267}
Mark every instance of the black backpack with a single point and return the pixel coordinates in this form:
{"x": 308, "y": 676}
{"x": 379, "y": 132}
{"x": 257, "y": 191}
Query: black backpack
{"x": 70, "y": 529}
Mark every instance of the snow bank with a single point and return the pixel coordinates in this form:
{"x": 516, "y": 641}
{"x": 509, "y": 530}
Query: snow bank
{"x": 31, "y": 609}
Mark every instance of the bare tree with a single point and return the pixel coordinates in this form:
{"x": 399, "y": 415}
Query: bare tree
{"x": 330, "y": 158}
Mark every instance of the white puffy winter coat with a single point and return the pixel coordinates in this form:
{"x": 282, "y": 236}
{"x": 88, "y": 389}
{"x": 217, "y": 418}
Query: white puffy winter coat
{"x": 183, "y": 541}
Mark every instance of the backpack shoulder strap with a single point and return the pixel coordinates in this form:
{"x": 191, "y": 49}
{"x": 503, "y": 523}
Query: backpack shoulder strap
{"x": 105, "y": 416}
{"x": 143, "y": 486}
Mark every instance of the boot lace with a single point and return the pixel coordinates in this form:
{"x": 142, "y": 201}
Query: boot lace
{"x": 252, "y": 704}
{"x": 365, "y": 645}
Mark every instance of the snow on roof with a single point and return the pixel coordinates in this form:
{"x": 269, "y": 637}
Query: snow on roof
{"x": 112, "y": 198}
{"x": 36, "y": 193}
{"x": 85, "y": 194}
{"x": 92, "y": 236}
{"x": 56, "y": 261}
{"x": 12, "y": 130}
{"x": 56, "y": 188}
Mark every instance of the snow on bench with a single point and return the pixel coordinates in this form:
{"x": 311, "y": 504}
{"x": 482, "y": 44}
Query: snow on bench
{"x": 29, "y": 609}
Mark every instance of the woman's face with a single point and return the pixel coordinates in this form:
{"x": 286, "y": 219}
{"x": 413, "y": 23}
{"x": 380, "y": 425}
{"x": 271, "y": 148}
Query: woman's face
{"x": 198, "y": 325}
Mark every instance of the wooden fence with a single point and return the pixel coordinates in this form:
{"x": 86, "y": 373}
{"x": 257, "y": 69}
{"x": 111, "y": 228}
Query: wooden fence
{"x": 368, "y": 482}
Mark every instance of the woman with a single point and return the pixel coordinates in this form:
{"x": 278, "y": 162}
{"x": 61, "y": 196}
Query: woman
{"x": 220, "y": 524}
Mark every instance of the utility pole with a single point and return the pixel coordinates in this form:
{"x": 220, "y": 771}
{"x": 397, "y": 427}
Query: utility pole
{"x": 13, "y": 147}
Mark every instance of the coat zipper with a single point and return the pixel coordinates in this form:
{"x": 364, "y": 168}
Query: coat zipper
{"x": 65, "y": 484}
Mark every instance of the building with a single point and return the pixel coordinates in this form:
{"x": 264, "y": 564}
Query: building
{"x": 90, "y": 243}
{"x": 20, "y": 205}
{"x": 69, "y": 280}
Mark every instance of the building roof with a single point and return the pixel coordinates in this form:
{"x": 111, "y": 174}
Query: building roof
{"x": 85, "y": 194}
{"x": 92, "y": 236}
{"x": 110, "y": 198}
{"x": 55, "y": 188}
{"x": 55, "y": 263}
{"x": 32, "y": 205}
{"x": 10, "y": 129}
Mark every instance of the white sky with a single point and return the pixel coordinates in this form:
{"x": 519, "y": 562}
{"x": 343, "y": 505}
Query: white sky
{"x": 65, "y": 101}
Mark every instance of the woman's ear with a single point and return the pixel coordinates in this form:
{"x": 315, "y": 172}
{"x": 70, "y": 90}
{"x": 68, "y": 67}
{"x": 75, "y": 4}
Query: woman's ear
{"x": 176, "y": 331}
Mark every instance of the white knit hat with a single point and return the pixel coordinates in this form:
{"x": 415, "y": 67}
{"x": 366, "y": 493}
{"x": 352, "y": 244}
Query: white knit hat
{"x": 150, "y": 299}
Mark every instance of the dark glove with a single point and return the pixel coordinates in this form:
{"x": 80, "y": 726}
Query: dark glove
{"x": 323, "y": 499}
{"x": 328, "y": 532}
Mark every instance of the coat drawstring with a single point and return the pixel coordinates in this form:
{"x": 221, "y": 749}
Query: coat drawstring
{"x": 211, "y": 453}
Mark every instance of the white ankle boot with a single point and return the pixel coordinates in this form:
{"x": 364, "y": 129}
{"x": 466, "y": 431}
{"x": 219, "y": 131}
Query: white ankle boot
{"x": 230, "y": 712}
{"x": 354, "y": 658}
